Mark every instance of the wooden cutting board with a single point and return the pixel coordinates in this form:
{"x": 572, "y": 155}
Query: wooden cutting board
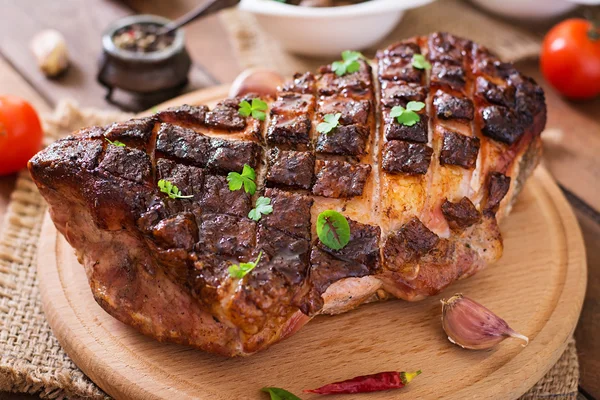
{"x": 538, "y": 287}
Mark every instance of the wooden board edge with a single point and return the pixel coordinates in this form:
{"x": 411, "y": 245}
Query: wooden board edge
{"x": 574, "y": 285}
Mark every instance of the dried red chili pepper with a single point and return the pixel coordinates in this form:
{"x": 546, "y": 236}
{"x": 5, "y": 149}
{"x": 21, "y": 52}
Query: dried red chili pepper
{"x": 368, "y": 383}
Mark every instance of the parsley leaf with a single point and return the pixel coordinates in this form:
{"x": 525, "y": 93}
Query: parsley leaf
{"x": 419, "y": 62}
{"x": 408, "y": 116}
{"x": 349, "y": 63}
{"x": 263, "y": 206}
{"x": 333, "y": 229}
{"x": 115, "y": 143}
{"x": 256, "y": 109}
{"x": 171, "y": 190}
{"x": 240, "y": 270}
{"x": 245, "y": 179}
{"x": 279, "y": 394}
{"x": 332, "y": 121}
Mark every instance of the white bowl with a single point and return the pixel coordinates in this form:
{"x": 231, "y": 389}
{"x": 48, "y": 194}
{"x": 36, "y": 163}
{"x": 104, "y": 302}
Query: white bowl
{"x": 527, "y": 9}
{"x": 327, "y": 31}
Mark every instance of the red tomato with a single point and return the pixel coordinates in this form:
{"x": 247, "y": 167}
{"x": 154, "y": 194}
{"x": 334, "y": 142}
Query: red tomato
{"x": 20, "y": 134}
{"x": 570, "y": 58}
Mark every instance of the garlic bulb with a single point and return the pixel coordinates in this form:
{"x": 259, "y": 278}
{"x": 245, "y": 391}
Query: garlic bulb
{"x": 50, "y": 50}
{"x": 472, "y": 326}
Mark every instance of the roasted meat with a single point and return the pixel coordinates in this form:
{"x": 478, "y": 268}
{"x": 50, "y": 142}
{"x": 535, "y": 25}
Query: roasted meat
{"x": 423, "y": 200}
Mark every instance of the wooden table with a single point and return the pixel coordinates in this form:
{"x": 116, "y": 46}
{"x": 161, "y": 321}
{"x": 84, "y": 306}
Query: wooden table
{"x": 572, "y": 141}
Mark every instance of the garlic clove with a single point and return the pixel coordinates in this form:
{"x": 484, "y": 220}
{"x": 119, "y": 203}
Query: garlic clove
{"x": 261, "y": 81}
{"x": 50, "y": 50}
{"x": 472, "y": 326}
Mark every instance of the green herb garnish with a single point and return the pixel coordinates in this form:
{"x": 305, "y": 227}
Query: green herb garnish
{"x": 420, "y": 62}
{"x": 240, "y": 270}
{"x": 256, "y": 109}
{"x": 349, "y": 63}
{"x": 407, "y": 116}
{"x": 263, "y": 206}
{"x": 279, "y": 394}
{"x": 245, "y": 179}
{"x": 154, "y": 110}
{"x": 331, "y": 121}
{"x": 171, "y": 190}
{"x": 115, "y": 143}
{"x": 333, "y": 229}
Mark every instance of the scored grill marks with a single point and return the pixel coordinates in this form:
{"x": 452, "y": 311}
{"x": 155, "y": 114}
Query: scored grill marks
{"x": 197, "y": 160}
{"x": 452, "y": 111}
{"x": 404, "y": 151}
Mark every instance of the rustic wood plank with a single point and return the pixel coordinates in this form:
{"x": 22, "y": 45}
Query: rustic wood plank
{"x": 86, "y": 22}
{"x": 588, "y": 329}
{"x": 207, "y": 40}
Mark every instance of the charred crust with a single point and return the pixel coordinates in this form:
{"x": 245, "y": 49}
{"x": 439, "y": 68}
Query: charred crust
{"x": 127, "y": 163}
{"x": 350, "y": 140}
{"x": 445, "y": 47}
{"x": 363, "y": 246}
{"x": 353, "y": 111}
{"x": 356, "y": 83}
{"x": 65, "y": 158}
{"x": 460, "y": 215}
{"x": 459, "y": 150}
{"x": 448, "y": 74}
{"x": 450, "y": 107}
{"x": 274, "y": 242}
{"x": 217, "y": 198}
{"x": 228, "y": 155}
{"x": 293, "y": 104}
{"x": 291, "y": 213}
{"x": 326, "y": 269}
{"x": 495, "y": 94}
{"x": 399, "y": 94}
{"x": 292, "y": 132}
{"x": 340, "y": 179}
{"x": 302, "y": 83}
{"x": 188, "y": 179}
{"x": 406, "y": 158}
{"x": 135, "y": 129}
{"x": 293, "y": 169}
{"x": 399, "y": 69}
{"x": 183, "y": 144}
{"x": 186, "y": 114}
{"x": 396, "y": 131}
{"x": 404, "y": 49}
{"x": 501, "y": 124}
{"x": 227, "y": 235}
{"x": 226, "y": 115}
{"x": 408, "y": 243}
{"x": 179, "y": 232}
{"x": 497, "y": 187}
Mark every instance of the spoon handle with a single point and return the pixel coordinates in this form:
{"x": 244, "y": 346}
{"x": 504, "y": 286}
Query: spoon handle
{"x": 202, "y": 10}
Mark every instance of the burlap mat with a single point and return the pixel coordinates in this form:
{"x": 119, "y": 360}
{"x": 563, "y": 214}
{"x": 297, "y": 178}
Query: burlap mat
{"x": 31, "y": 359}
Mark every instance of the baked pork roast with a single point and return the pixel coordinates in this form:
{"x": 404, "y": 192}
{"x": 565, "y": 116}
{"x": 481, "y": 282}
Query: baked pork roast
{"x": 423, "y": 201}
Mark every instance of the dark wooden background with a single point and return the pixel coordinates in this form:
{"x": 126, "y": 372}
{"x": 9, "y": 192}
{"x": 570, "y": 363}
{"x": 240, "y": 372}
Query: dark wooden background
{"x": 572, "y": 141}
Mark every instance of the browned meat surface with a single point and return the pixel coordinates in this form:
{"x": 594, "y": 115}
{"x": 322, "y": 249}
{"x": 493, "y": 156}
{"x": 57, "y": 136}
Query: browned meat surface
{"x": 423, "y": 201}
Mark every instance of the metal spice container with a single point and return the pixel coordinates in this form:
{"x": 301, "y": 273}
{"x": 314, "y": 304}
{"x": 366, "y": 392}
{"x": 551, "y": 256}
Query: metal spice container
{"x": 148, "y": 67}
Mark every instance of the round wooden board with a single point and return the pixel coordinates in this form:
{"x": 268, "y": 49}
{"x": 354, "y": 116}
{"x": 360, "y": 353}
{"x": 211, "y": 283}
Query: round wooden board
{"x": 538, "y": 287}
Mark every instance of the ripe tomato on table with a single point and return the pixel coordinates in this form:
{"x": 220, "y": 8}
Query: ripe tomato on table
{"x": 570, "y": 58}
{"x": 20, "y": 134}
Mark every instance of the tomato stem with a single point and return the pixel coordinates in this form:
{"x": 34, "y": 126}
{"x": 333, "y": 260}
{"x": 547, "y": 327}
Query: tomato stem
{"x": 594, "y": 32}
